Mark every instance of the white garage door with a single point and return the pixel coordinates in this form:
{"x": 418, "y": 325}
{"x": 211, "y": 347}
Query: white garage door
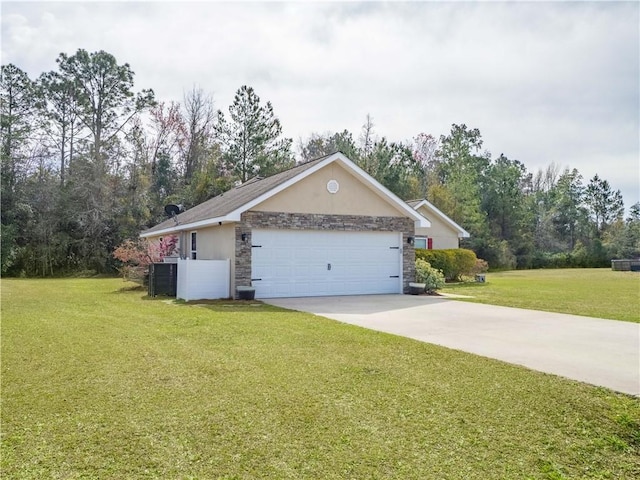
{"x": 309, "y": 263}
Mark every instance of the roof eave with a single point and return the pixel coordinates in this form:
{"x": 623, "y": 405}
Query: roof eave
{"x": 462, "y": 233}
{"x": 230, "y": 218}
{"x": 402, "y": 205}
{"x": 278, "y": 188}
{"x": 234, "y": 216}
{"x": 345, "y": 162}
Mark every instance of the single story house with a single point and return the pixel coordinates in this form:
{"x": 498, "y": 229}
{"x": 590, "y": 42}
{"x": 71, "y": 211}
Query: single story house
{"x": 324, "y": 227}
{"x": 442, "y": 233}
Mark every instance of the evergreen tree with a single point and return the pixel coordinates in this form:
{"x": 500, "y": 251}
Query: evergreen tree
{"x": 17, "y": 128}
{"x": 317, "y": 146}
{"x": 57, "y": 98}
{"x": 462, "y": 173}
{"x": 104, "y": 91}
{"x": 251, "y": 138}
{"x": 106, "y": 104}
{"x": 568, "y": 211}
{"x": 605, "y": 205}
{"x": 630, "y": 247}
{"x": 503, "y": 196}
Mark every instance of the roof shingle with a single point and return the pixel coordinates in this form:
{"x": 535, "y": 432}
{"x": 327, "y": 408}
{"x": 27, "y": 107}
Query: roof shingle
{"x": 233, "y": 199}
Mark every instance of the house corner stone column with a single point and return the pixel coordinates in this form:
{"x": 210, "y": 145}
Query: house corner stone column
{"x": 408, "y": 260}
{"x": 243, "y": 257}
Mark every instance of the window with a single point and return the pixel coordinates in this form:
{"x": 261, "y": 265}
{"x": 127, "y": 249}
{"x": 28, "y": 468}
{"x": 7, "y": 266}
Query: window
{"x": 193, "y": 246}
{"x": 420, "y": 242}
{"x": 423, "y": 242}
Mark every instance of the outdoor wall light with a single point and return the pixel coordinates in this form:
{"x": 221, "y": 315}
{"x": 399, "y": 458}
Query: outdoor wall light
{"x": 243, "y": 237}
{"x": 410, "y": 240}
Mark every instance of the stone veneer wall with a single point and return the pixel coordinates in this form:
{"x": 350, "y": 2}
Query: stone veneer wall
{"x": 303, "y": 221}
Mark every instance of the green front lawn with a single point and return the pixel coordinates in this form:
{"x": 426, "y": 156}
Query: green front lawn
{"x": 102, "y": 383}
{"x": 592, "y": 292}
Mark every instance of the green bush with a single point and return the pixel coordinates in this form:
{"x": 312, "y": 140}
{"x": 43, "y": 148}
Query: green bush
{"x": 431, "y": 277}
{"x": 453, "y": 262}
{"x": 464, "y": 263}
{"x": 438, "y": 259}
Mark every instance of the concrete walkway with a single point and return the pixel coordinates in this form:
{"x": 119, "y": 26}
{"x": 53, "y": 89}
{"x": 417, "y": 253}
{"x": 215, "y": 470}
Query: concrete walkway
{"x": 596, "y": 351}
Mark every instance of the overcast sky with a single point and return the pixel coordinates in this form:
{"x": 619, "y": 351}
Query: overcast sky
{"x": 544, "y": 82}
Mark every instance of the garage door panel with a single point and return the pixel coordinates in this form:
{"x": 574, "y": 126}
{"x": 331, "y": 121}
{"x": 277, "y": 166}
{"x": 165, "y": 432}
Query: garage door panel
{"x": 308, "y": 272}
{"x": 295, "y": 263}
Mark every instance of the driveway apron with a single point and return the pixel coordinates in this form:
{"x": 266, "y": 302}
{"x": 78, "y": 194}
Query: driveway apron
{"x": 592, "y": 350}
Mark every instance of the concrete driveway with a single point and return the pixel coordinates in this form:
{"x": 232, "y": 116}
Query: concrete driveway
{"x": 596, "y": 351}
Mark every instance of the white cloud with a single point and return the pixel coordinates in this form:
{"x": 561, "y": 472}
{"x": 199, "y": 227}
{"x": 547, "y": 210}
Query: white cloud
{"x": 544, "y": 82}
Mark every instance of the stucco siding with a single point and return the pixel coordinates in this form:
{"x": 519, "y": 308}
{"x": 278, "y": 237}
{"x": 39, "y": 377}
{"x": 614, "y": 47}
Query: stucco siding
{"x": 216, "y": 243}
{"x": 439, "y": 242}
{"x": 443, "y": 235}
{"x": 310, "y": 195}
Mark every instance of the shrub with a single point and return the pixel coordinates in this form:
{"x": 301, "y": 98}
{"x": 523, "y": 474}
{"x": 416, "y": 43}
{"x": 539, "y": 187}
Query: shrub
{"x": 453, "y": 262}
{"x": 431, "y": 277}
{"x": 136, "y": 256}
{"x": 481, "y": 266}
{"x": 464, "y": 261}
{"x": 438, "y": 259}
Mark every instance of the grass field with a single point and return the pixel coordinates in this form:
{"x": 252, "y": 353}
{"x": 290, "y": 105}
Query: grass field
{"x": 99, "y": 382}
{"x": 592, "y": 292}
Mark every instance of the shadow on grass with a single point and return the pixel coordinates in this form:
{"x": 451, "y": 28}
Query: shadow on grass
{"x": 220, "y": 305}
{"x": 131, "y": 288}
{"x": 230, "y": 305}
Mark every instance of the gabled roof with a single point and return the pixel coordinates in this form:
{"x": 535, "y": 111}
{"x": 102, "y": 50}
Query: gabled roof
{"x": 416, "y": 204}
{"x": 228, "y": 206}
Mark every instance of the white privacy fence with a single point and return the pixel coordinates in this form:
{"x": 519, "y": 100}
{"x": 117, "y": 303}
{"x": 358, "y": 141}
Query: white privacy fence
{"x": 203, "y": 279}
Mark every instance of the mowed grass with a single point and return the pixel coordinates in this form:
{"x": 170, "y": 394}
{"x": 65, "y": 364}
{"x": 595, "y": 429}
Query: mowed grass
{"x": 592, "y": 292}
{"x": 102, "y": 383}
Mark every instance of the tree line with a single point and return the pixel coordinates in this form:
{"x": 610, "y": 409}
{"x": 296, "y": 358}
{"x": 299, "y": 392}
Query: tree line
{"x": 88, "y": 162}
{"x": 516, "y": 218}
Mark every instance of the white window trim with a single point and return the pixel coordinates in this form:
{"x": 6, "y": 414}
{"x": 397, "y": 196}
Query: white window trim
{"x": 193, "y": 252}
{"x": 415, "y": 242}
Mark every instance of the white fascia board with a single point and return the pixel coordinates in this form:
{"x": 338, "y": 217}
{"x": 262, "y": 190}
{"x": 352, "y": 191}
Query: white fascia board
{"x": 462, "y": 233}
{"x": 191, "y": 226}
{"x": 421, "y": 221}
{"x": 164, "y": 231}
{"x": 284, "y": 185}
{"x": 234, "y": 216}
{"x": 345, "y": 162}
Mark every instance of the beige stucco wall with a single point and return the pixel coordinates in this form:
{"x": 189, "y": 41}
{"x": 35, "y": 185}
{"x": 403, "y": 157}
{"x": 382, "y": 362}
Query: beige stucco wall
{"x": 310, "y": 195}
{"x": 443, "y": 234}
{"x": 213, "y": 243}
{"x": 216, "y": 243}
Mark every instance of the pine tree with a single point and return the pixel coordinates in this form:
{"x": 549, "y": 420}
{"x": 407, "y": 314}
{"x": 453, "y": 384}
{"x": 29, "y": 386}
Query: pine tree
{"x": 251, "y": 139}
